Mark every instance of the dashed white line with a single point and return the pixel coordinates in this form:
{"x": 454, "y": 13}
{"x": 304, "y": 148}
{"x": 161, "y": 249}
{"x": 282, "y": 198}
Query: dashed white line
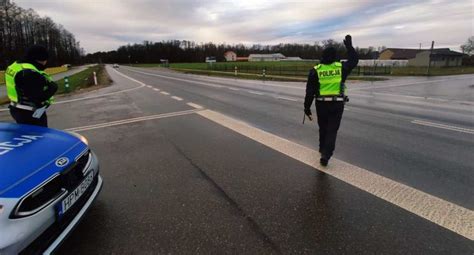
{"x": 235, "y": 89}
{"x": 206, "y": 83}
{"x": 255, "y": 92}
{"x": 441, "y": 212}
{"x": 165, "y": 93}
{"x": 155, "y": 89}
{"x": 195, "y": 105}
{"x": 149, "y": 86}
{"x": 443, "y": 126}
{"x": 177, "y": 98}
{"x": 287, "y": 98}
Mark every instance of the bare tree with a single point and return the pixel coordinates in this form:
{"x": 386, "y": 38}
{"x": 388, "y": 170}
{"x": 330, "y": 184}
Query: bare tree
{"x": 468, "y": 47}
{"x": 20, "y": 28}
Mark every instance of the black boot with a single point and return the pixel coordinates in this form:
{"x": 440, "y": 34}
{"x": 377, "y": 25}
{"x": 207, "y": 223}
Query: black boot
{"x": 324, "y": 161}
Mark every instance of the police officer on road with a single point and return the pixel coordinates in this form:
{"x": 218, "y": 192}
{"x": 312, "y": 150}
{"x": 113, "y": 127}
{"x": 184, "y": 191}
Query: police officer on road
{"x": 29, "y": 88}
{"x": 326, "y": 84}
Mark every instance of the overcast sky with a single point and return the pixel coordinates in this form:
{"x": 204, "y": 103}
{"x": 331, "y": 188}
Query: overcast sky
{"x": 106, "y": 24}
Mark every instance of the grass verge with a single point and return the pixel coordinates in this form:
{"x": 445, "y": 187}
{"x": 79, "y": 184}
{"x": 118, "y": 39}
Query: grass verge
{"x": 84, "y": 79}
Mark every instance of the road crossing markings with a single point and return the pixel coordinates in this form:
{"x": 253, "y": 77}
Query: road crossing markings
{"x": 165, "y": 93}
{"x": 132, "y": 120}
{"x": 443, "y": 126}
{"x": 195, "y": 105}
{"x": 453, "y": 217}
{"x": 177, "y": 98}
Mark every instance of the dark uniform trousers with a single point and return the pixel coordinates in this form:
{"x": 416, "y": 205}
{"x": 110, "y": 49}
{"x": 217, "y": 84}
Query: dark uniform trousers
{"x": 329, "y": 118}
{"x": 26, "y": 117}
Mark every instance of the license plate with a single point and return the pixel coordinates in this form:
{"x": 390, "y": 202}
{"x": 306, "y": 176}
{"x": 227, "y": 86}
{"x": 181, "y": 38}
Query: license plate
{"x": 72, "y": 198}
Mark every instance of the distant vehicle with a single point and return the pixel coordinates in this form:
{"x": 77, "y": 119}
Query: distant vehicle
{"x": 211, "y": 60}
{"x": 48, "y": 180}
{"x": 67, "y": 65}
{"x": 116, "y": 66}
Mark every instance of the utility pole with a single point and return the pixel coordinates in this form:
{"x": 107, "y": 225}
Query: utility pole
{"x": 429, "y": 58}
{"x": 420, "y": 46}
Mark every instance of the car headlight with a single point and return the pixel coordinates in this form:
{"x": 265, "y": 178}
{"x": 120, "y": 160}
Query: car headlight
{"x": 80, "y": 137}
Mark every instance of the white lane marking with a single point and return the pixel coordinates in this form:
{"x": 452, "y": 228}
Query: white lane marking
{"x": 177, "y": 98}
{"x": 165, "y": 93}
{"x": 287, "y": 98}
{"x": 155, "y": 89}
{"x": 233, "y": 89}
{"x": 195, "y": 105}
{"x": 412, "y": 83}
{"x": 255, "y": 92}
{"x": 149, "y": 86}
{"x": 99, "y": 96}
{"x": 443, "y": 126}
{"x": 441, "y": 212}
{"x": 131, "y": 120}
{"x": 206, "y": 83}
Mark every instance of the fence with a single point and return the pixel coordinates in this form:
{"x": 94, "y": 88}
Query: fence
{"x": 380, "y": 62}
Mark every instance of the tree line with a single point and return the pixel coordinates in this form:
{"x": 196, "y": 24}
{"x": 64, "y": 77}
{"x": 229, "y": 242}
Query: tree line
{"x": 181, "y": 51}
{"x": 21, "y": 28}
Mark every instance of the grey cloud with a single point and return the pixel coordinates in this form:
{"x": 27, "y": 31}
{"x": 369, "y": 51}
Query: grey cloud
{"x": 106, "y": 24}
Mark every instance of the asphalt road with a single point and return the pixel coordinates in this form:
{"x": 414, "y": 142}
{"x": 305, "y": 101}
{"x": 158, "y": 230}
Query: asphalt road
{"x": 198, "y": 164}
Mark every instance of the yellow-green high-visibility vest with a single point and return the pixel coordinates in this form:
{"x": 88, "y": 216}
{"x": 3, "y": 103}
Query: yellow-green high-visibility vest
{"x": 330, "y": 78}
{"x": 10, "y": 74}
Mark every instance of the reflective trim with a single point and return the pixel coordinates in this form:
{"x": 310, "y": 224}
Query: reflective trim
{"x": 329, "y": 99}
{"x": 22, "y": 106}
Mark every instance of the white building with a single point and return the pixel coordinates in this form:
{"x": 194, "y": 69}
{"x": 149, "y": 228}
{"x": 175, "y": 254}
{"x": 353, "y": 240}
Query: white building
{"x": 266, "y": 57}
{"x": 230, "y": 56}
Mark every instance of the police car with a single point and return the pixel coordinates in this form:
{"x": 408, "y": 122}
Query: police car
{"x": 48, "y": 180}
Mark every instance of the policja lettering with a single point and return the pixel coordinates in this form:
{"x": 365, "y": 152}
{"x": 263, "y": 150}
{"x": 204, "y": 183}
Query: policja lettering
{"x": 326, "y": 73}
{"x": 17, "y": 142}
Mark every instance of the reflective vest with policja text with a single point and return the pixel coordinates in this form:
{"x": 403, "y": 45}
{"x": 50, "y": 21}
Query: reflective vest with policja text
{"x": 330, "y": 79}
{"x": 10, "y": 74}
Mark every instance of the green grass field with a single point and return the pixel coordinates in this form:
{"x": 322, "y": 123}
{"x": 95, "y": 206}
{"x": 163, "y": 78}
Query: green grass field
{"x": 301, "y": 68}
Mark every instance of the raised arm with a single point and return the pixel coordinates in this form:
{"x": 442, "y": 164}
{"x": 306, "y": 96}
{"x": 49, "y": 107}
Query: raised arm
{"x": 352, "y": 60}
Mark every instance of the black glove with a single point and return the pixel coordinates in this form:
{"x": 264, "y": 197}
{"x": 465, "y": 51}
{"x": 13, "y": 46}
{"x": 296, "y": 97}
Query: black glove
{"x": 308, "y": 113}
{"x": 348, "y": 41}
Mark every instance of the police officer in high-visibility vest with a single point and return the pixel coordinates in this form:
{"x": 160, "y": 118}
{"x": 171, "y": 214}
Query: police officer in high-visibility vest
{"x": 326, "y": 84}
{"x": 29, "y": 88}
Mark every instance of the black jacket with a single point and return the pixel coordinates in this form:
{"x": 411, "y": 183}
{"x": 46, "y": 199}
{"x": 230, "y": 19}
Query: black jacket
{"x": 312, "y": 86}
{"x": 32, "y": 87}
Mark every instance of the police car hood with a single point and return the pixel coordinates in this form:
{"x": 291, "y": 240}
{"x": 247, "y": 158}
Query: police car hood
{"x": 28, "y": 156}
